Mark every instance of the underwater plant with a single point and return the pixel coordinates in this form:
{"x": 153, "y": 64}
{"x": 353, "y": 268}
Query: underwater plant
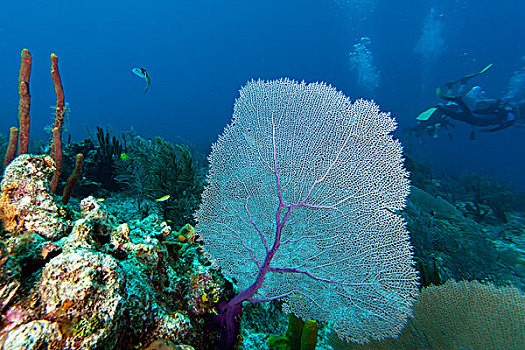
{"x": 108, "y": 151}
{"x": 173, "y": 173}
{"x": 131, "y": 170}
{"x": 301, "y": 206}
{"x": 155, "y": 168}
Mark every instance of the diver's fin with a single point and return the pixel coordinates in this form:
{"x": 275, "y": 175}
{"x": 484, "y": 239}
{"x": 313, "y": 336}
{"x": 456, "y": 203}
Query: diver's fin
{"x": 452, "y": 89}
{"x": 487, "y": 67}
{"x": 423, "y": 116}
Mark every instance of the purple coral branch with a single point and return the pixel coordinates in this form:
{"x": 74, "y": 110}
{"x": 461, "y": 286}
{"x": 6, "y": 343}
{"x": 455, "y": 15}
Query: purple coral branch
{"x": 252, "y": 255}
{"x": 293, "y": 270}
{"x": 249, "y": 292}
{"x": 256, "y": 227}
{"x": 233, "y": 308}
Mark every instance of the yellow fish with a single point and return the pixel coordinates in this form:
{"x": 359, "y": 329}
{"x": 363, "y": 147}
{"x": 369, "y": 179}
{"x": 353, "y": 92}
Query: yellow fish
{"x": 163, "y": 198}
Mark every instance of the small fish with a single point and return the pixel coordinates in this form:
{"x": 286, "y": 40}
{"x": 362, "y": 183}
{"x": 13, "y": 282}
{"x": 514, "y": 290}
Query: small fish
{"x": 163, "y": 198}
{"x": 101, "y": 199}
{"x": 141, "y": 72}
{"x": 124, "y": 156}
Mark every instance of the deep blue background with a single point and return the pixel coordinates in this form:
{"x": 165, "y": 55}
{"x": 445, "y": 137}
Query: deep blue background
{"x": 199, "y": 53}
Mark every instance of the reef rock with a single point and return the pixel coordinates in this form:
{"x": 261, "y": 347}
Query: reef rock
{"x": 75, "y": 282}
{"x": 26, "y": 203}
{"x": 31, "y": 336}
{"x": 92, "y": 230}
{"x": 163, "y": 344}
{"x": 9, "y": 283}
{"x": 91, "y": 282}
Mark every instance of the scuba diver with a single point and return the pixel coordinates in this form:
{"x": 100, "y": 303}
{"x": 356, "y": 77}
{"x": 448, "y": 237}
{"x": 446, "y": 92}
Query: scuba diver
{"x": 471, "y": 106}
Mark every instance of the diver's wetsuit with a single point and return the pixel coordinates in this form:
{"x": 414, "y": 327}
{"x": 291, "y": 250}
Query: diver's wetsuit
{"x": 496, "y": 113}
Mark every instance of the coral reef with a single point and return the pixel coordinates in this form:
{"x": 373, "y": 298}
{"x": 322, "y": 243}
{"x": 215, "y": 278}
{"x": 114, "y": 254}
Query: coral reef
{"x": 113, "y": 270}
{"x": 173, "y": 172}
{"x": 120, "y": 169}
{"x": 486, "y": 199}
{"x": 447, "y": 244}
{"x": 74, "y": 282}
{"x": 9, "y": 275}
{"x": 459, "y": 315}
{"x": 452, "y": 242}
{"x": 89, "y": 283}
{"x": 261, "y": 321}
{"x": 32, "y": 335}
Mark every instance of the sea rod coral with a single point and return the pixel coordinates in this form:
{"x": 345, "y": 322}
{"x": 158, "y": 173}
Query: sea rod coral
{"x": 301, "y": 206}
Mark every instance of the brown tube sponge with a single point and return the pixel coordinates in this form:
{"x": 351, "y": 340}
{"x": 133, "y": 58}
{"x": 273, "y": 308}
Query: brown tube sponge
{"x": 11, "y": 149}
{"x": 73, "y": 178}
{"x": 56, "y": 154}
{"x": 24, "y": 102}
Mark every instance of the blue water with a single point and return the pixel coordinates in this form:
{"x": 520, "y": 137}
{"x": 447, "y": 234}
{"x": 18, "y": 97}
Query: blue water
{"x": 199, "y": 53}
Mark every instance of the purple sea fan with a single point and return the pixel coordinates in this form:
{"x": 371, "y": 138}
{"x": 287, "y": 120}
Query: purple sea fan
{"x": 301, "y": 206}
